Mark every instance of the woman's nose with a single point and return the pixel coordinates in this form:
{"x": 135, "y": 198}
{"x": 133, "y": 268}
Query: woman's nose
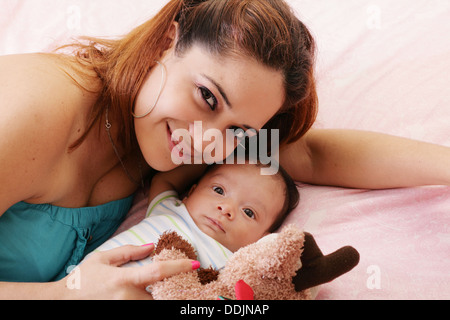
{"x": 212, "y": 141}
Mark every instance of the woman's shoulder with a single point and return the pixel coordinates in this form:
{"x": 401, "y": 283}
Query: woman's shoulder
{"x": 40, "y": 109}
{"x": 28, "y": 67}
{"x": 38, "y": 94}
{"x": 44, "y": 90}
{"x": 40, "y": 77}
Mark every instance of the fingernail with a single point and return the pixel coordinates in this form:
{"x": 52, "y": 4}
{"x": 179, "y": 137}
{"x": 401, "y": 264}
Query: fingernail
{"x": 147, "y": 245}
{"x": 195, "y": 265}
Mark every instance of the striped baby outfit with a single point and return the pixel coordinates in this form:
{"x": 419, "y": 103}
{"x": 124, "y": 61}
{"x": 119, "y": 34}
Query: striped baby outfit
{"x": 167, "y": 213}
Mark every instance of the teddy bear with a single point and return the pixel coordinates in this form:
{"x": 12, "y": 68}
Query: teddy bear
{"x": 280, "y": 266}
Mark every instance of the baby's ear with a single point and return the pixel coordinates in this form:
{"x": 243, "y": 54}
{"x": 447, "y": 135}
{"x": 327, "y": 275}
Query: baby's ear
{"x": 190, "y": 192}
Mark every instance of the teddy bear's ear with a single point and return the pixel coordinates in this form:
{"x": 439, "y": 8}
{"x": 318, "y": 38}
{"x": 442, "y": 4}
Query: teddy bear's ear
{"x": 207, "y": 275}
{"x": 171, "y": 240}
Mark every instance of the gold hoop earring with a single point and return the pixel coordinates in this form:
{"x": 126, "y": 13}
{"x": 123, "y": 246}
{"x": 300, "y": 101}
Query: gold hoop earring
{"x": 163, "y": 81}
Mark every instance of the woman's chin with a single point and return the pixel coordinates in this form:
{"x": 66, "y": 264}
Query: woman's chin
{"x": 160, "y": 163}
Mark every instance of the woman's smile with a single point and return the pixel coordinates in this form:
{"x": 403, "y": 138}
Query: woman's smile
{"x": 171, "y": 142}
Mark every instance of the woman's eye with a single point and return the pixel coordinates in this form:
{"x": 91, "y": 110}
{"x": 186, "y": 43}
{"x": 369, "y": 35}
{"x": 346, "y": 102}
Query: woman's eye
{"x": 209, "y": 98}
{"x": 218, "y": 190}
{"x": 249, "y": 213}
{"x": 239, "y": 133}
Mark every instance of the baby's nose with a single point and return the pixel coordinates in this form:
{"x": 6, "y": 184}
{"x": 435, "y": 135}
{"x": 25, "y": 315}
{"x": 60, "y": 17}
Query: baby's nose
{"x": 225, "y": 210}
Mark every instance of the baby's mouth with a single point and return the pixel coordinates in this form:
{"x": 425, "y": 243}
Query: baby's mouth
{"x": 216, "y": 224}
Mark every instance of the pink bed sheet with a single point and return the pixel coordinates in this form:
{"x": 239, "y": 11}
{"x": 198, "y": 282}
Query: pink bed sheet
{"x": 382, "y": 66}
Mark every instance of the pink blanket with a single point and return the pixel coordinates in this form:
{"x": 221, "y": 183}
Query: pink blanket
{"x": 382, "y": 66}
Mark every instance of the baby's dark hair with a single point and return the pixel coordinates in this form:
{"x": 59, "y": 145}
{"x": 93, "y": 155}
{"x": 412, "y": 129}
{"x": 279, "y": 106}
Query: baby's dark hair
{"x": 291, "y": 199}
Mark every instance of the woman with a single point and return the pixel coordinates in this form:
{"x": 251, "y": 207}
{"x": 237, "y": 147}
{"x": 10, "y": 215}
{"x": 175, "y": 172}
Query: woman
{"x": 81, "y": 132}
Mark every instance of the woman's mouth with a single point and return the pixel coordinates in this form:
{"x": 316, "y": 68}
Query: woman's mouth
{"x": 182, "y": 149}
{"x": 172, "y": 143}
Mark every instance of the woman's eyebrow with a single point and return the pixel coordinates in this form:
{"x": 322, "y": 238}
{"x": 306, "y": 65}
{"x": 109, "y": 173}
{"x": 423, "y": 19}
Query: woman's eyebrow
{"x": 220, "y": 89}
{"x": 224, "y": 96}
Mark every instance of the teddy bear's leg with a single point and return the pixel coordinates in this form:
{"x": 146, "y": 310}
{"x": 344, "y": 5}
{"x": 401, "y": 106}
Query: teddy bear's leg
{"x": 318, "y": 269}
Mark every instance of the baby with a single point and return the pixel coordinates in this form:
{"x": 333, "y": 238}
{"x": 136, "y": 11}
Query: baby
{"x": 232, "y": 206}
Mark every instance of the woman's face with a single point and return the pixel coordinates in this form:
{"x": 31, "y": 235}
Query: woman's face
{"x": 221, "y": 92}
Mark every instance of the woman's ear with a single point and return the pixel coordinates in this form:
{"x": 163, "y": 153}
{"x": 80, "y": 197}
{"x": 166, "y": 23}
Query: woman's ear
{"x": 173, "y": 32}
{"x": 172, "y": 37}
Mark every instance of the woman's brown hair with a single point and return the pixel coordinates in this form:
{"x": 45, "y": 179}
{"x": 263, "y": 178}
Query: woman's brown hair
{"x": 266, "y": 30}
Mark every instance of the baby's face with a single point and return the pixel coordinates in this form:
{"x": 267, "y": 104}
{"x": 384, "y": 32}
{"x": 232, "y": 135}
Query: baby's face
{"x": 235, "y": 204}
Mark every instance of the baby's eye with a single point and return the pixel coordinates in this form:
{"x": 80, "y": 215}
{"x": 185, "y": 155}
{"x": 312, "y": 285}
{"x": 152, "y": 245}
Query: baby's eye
{"x": 209, "y": 98}
{"x": 218, "y": 190}
{"x": 249, "y": 213}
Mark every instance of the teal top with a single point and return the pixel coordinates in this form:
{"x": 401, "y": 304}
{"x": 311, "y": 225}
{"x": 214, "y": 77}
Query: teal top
{"x": 41, "y": 243}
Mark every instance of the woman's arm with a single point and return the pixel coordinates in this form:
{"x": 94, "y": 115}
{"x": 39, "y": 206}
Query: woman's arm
{"x": 359, "y": 159}
{"x": 100, "y": 277}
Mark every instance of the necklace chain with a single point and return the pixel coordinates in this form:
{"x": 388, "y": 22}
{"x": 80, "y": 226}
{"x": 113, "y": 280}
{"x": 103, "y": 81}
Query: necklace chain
{"x": 108, "y": 131}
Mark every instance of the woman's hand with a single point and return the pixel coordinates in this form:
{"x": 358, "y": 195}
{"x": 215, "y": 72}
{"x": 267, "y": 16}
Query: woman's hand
{"x": 100, "y": 276}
